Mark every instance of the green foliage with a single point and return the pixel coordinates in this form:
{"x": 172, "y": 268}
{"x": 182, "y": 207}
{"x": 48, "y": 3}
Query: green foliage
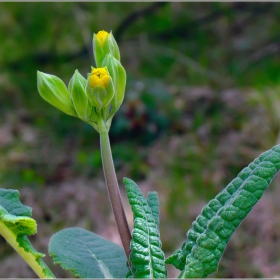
{"x": 211, "y": 231}
{"x": 146, "y": 256}
{"x": 15, "y": 226}
{"x": 87, "y": 255}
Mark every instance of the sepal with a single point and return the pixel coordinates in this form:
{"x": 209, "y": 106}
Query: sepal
{"x": 54, "y": 91}
{"x": 118, "y": 75}
{"x": 77, "y": 90}
{"x": 99, "y": 96}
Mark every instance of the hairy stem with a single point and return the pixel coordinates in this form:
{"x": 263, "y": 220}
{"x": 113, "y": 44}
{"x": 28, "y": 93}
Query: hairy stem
{"x": 113, "y": 189}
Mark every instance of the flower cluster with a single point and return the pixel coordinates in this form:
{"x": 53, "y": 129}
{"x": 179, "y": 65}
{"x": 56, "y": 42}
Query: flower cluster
{"x": 96, "y": 99}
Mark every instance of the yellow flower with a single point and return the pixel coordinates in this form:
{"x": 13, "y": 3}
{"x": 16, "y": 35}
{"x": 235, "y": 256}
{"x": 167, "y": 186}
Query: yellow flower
{"x": 99, "y": 77}
{"x": 102, "y": 35}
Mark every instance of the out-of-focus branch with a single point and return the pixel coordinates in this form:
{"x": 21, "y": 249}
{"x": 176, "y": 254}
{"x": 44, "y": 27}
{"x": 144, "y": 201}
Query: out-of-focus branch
{"x": 188, "y": 29}
{"x": 130, "y": 19}
{"x": 258, "y": 55}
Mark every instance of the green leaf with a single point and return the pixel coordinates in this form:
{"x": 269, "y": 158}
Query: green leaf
{"x": 54, "y": 91}
{"x": 207, "y": 239}
{"x": 146, "y": 256}
{"x": 15, "y": 225}
{"x": 87, "y": 255}
{"x": 77, "y": 90}
{"x": 154, "y": 205}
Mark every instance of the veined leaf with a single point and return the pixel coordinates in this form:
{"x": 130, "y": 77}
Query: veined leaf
{"x": 87, "y": 255}
{"x": 154, "y": 205}
{"x": 207, "y": 239}
{"x": 15, "y": 225}
{"x": 146, "y": 256}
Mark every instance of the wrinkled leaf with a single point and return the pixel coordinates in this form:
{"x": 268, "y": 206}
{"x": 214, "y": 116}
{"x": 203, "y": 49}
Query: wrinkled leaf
{"x": 154, "y": 205}
{"x": 146, "y": 256}
{"x": 207, "y": 239}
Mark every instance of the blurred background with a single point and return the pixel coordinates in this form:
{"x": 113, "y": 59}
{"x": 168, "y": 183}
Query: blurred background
{"x": 202, "y": 101}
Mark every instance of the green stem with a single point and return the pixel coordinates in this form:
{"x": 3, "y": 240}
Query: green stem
{"x": 113, "y": 188}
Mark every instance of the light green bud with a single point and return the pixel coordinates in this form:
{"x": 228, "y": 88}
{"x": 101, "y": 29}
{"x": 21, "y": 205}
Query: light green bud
{"x": 77, "y": 90}
{"x": 104, "y": 43}
{"x": 54, "y": 91}
{"x": 118, "y": 74}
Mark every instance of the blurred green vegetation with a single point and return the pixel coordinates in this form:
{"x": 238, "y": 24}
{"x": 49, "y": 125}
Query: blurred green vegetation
{"x": 201, "y": 103}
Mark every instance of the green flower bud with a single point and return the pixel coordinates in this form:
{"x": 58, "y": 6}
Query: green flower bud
{"x": 104, "y": 43}
{"x": 54, "y": 91}
{"x": 118, "y": 74}
{"x": 100, "y": 89}
{"x": 77, "y": 90}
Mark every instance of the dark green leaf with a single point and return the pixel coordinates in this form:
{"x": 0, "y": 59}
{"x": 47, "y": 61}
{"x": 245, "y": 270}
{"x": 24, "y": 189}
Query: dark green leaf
{"x": 154, "y": 205}
{"x": 146, "y": 256}
{"x": 87, "y": 255}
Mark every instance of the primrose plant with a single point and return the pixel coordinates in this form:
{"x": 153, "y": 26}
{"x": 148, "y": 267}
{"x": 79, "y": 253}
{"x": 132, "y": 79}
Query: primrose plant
{"x": 95, "y": 100}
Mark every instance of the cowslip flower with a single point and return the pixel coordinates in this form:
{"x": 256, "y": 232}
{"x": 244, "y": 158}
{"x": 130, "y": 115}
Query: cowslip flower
{"x": 96, "y": 99}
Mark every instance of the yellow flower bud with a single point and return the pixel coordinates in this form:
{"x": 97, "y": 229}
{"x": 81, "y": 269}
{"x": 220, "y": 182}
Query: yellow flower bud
{"x": 100, "y": 89}
{"x": 104, "y": 43}
{"x": 99, "y": 77}
{"x": 102, "y": 35}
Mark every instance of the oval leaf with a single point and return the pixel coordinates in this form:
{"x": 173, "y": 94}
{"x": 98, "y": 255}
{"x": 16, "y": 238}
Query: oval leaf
{"x": 146, "y": 256}
{"x": 87, "y": 255}
{"x": 212, "y": 229}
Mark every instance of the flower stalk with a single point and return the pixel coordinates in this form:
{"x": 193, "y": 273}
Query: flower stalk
{"x": 113, "y": 188}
